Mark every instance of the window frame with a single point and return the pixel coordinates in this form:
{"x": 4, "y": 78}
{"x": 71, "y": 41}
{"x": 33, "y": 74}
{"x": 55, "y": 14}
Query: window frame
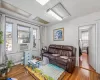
{"x": 27, "y": 26}
{"x": 16, "y": 49}
{"x": 6, "y": 38}
{"x": 26, "y": 31}
{"x": 35, "y": 39}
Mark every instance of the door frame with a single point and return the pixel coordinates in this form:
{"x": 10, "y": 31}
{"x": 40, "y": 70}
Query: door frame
{"x": 96, "y": 58}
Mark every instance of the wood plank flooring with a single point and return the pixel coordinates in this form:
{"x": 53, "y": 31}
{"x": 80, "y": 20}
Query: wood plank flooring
{"x": 84, "y": 62}
{"x": 19, "y": 72}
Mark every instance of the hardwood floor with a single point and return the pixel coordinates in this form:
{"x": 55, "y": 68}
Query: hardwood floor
{"x": 19, "y": 72}
{"x": 82, "y": 74}
{"x": 84, "y": 62}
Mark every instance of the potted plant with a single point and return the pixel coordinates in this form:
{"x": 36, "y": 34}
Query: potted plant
{"x": 3, "y": 72}
{"x": 9, "y": 65}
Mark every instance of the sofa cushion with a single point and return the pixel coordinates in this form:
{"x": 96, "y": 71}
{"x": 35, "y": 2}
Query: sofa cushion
{"x": 52, "y": 57}
{"x": 46, "y": 54}
{"x": 53, "y": 51}
{"x": 62, "y": 47}
{"x": 66, "y": 53}
{"x": 64, "y": 57}
{"x": 68, "y": 48}
{"x": 61, "y": 61}
{"x": 59, "y": 51}
{"x": 56, "y": 54}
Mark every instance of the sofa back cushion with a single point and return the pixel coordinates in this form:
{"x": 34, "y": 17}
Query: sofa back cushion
{"x": 66, "y": 53}
{"x": 53, "y": 50}
{"x": 63, "y": 50}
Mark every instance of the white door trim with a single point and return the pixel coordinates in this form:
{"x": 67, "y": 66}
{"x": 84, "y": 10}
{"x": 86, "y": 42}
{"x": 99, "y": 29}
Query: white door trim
{"x": 94, "y": 23}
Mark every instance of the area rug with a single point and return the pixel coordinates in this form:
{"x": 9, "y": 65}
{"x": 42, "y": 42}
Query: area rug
{"x": 47, "y": 72}
{"x": 52, "y": 70}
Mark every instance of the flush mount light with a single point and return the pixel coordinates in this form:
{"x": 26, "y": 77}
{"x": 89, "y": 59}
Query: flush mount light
{"x": 41, "y": 20}
{"x": 51, "y": 12}
{"x": 42, "y": 2}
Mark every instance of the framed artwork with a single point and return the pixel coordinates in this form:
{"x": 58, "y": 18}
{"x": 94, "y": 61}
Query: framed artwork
{"x": 58, "y": 34}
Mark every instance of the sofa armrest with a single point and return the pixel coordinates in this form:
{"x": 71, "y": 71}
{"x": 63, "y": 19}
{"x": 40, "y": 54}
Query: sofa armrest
{"x": 71, "y": 64}
{"x": 74, "y": 52}
{"x": 45, "y": 51}
{"x": 72, "y": 58}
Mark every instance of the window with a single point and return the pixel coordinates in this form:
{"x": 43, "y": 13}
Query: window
{"x": 20, "y": 36}
{"x": 85, "y": 38}
{"x": 9, "y": 36}
{"x": 85, "y": 35}
{"x": 23, "y": 34}
{"x": 34, "y": 37}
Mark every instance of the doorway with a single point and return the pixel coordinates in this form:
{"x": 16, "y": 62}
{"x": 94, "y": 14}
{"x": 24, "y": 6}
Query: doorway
{"x": 87, "y": 47}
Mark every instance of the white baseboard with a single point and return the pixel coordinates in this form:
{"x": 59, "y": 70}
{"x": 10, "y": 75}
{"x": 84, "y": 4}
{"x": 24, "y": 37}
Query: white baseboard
{"x": 16, "y": 63}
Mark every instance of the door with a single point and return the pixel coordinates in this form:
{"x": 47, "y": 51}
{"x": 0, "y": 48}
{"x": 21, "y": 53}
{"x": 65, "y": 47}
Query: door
{"x": 92, "y": 46}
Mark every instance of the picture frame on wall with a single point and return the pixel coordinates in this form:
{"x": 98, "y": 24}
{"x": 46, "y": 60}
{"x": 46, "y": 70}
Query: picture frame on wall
{"x": 58, "y": 34}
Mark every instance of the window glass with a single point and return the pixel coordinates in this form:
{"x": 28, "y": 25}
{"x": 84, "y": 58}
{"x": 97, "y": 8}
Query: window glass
{"x": 34, "y": 37}
{"x": 23, "y": 34}
{"x": 85, "y": 35}
{"x": 9, "y": 36}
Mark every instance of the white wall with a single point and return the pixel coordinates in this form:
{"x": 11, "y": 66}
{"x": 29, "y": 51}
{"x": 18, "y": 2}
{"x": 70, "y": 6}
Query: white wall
{"x": 71, "y": 30}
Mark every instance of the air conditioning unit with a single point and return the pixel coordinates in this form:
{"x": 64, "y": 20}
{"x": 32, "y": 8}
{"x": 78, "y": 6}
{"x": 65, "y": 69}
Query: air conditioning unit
{"x": 23, "y": 47}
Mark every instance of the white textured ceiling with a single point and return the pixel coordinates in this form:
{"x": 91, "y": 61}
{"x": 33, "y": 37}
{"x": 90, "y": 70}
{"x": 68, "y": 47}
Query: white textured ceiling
{"x": 75, "y": 7}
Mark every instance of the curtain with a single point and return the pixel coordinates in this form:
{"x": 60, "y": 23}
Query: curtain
{"x": 2, "y": 48}
{"x": 0, "y": 44}
{"x": 42, "y": 36}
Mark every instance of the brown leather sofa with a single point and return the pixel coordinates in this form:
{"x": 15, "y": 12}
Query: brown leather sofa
{"x": 62, "y": 55}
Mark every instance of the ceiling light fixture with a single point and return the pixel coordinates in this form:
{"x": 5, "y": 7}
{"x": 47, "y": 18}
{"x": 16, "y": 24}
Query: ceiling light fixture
{"x": 61, "y": 10}
{"x": 51, "y": 12}
{"x": 42, "y": 2}
{"x": 38, "y": 19}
